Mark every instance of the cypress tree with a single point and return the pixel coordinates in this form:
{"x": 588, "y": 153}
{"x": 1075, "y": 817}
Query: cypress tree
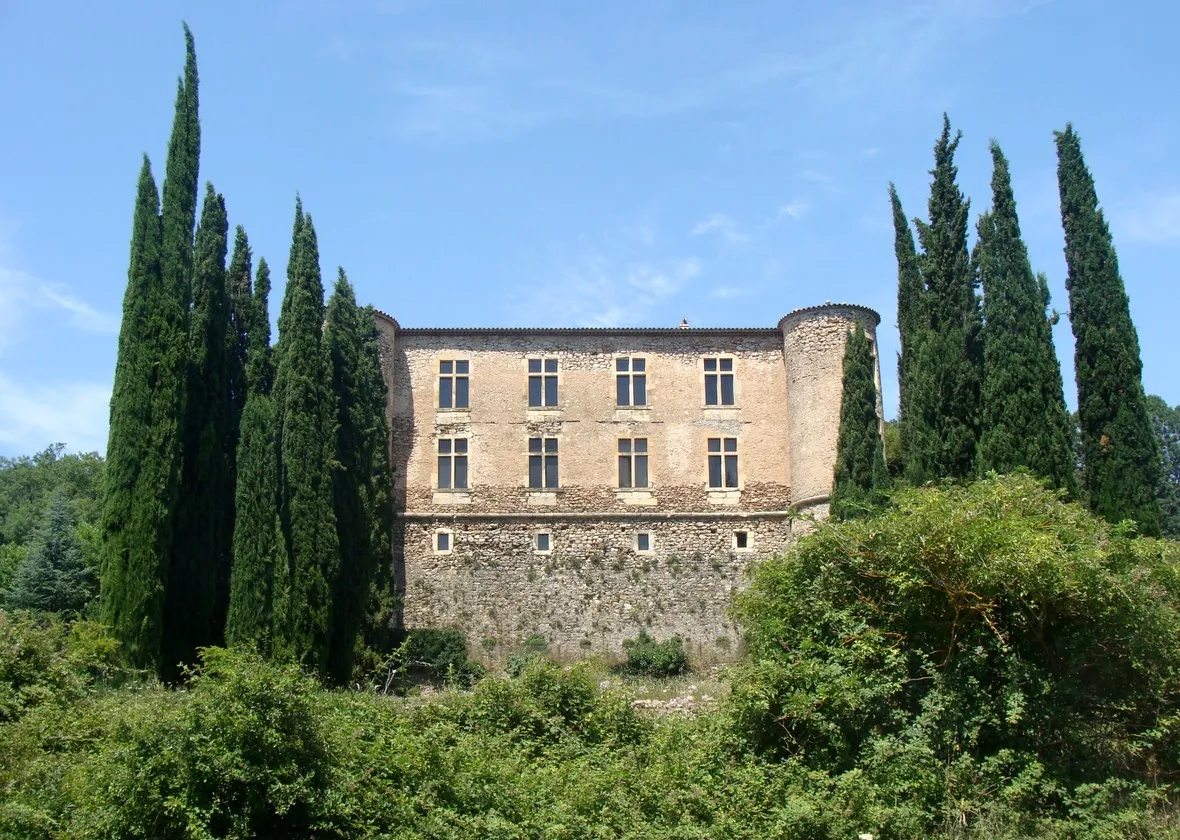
{"x": 1024, "y": 421}
{"x": 1120, "y": 454}
{"x": 199, "y": 579}
{"x": 142, "y": 457}
{"x": 943, "y": 380}
{"x": 860, "y": 454}
{"x": 305, "y": 409}
{"x": 909, "y": 302}
{"x": 361, "y": 499}
{"x": 257, "y": 537}
{"x": 241, "y": 304}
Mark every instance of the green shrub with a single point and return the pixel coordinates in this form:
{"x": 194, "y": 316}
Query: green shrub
{"x": 438, "y": 655}
{"x": 988, "y": 637}
{"x": 648, "y": 658}
{"x": 535, "y": 647}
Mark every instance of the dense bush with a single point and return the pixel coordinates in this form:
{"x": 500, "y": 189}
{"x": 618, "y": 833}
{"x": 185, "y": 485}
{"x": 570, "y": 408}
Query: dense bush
{"x": 535, "y": 647}
{"x": 437, "y": 655}
{"x": 985, "y": 638}
{"x": 648, "y": 658}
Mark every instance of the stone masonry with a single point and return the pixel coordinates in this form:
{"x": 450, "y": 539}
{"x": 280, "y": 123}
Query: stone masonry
{"x": 586, "y": 563}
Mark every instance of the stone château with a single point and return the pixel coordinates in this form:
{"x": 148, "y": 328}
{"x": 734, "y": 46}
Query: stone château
{"x": 582, "y": 483}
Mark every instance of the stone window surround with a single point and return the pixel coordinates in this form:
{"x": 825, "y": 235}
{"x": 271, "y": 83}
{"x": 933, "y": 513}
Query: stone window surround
{"x": 544, "y": 374}
{"x": 737, "y": 387}
{"x": 630, "y": 375}
{"x": 631, "y": 455}
{"x": 465, "y": 454}
{"x": 749, "y": 546}
{"x": 537, "y": 540}
{"x": 651, "y": 542}
{"x": 723, "y": 453}
{"x": 454, "y": 375}
{"x": 450, "y": 534}
{"x": 544, "y": 454}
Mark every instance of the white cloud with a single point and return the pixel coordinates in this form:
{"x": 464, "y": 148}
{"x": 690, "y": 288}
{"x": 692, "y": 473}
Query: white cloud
{"x": 24, "y": 298}
{"x": 795, "y": 209}
{"x": 1154, "y": 219}
{"x": 726, "y": 292}
{"x": 70, "y": 412}
{"x": 723, "y": 226}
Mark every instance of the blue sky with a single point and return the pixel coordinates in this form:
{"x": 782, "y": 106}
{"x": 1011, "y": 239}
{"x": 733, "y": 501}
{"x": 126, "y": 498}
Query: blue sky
{"x": 546, "y": 163}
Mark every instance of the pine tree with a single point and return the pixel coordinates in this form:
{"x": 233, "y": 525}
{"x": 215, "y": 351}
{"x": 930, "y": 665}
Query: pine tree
{"x": 304, "y": 409}
{"x": 54, "y": 578}
{"x": 241, "y": 305}
{"x": 1024, "y": 421}
{"x": 942, "y": 411}
{"x": 199, "y": 577}
{"x": 909, "y": 303}
{"x": 860, "y": 453}
{"x": 143, "y": 448}
{"x": 1121, "y": 457}
{"x": 361, "y": 496}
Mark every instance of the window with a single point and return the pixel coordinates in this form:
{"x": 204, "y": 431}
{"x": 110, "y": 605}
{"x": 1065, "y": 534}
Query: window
{"x": 718, "y": 381}
{"x": 542, "y": 383}
{"x": 444, "y": 542}
{"x": 741, "y": 540}
{"x": 452, "y": 463}
{"x": 723, "y": 463}
{"x": 630, "y": 381}
{"x": 542, "y": 542}
{"x": 643, "y": 542}
{"x": 542, "y": 463}
{"x": 632, "y": 462}
{"x": 452, "y": 383}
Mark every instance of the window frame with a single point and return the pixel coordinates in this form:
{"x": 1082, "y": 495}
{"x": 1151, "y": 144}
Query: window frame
{"x": 453, "y": 456}
{"x": 547, "y": 457}
{"x": 537, "y": 539}
{"x": 547, "y": 373}
{"x": 449, "y": 534}
{"x": 452, "y": 377}
{"x": 718, "y": 371}
{"x": 626, "y": 372}
{"x": 651, "y": 542}
{"x": 724, "y": 456}
{"x": 749, "y": 535}
{"x": 630, "y": 456}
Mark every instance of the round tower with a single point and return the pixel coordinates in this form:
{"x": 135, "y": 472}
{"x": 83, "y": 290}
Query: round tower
{"x": 813, "y": 351}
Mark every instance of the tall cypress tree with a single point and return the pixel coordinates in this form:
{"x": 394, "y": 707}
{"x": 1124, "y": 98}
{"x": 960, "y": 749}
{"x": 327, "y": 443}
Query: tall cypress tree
{"x": 141, "y": 457}
{"x": 257, "y": 537}
{"x": 199, "y": 579}
{"x": 1120, "y": 453}
{"x": 360, "y": 493}
{"x": 860, "y": 454}
{"x": 943, "y": 408}
{"x": 1024, "y": 421}
{"x": 241, "y": 304}
{"x": 909, "y": 303}
{"x": 304, "y": 408}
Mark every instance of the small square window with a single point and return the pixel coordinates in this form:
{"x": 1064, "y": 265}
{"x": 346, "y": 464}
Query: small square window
{"x": 741, "y": 540}
{"x": 444, "y": 542}
{"x": 643, "y": 542}
{"x": 542, "y": 542}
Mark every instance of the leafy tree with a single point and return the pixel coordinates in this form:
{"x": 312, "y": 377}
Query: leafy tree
{"x": 198, "y": 587}
{"x": 987, "y": 630}
{"x": 860, "y": 454}
{"x": 361, "y": 478}
{"x": 28, "y": 485}
{"x": 909, "y": 313}
{"x": 1121, "y": 473}
{"x": 1166, "y": 423}
{"x": 1024, "y": 422}
{"x": 55, "y": 577}
{"x": 305, "y": 414}
{"x": 942, "y": 406}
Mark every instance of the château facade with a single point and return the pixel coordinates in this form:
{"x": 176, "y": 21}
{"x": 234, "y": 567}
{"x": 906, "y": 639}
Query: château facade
{"x": 582, "y": 483}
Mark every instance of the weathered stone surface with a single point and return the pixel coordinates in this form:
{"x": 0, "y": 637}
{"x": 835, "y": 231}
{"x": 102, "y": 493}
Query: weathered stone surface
{"x": 594, "y": 589}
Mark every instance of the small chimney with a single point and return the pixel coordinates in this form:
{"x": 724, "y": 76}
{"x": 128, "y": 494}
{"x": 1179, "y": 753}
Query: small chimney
{"x": 684, "y": 323}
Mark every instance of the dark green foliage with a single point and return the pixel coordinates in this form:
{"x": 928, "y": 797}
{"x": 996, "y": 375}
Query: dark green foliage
{"x": 860, "y": 473}
{"x": 435, "y": 655}
{"x": 940, "y": 423}
{"x": 1024, "y": 423}
{"x": 143, "y": 449}
{"x": 305, "y": 420}
{"x": 1166, "y": 423}
{"x": 362, "y": 472}
{"x": 240, "y": 289}
{"x": 181, "y": 174}
{"x": 985, "y": 632}
{"x": 259, "y": 364}
{"x": 1121, "y": 459}
{"x": 909, "y": 312}
{"x": 648, "y": 658}
{"x": 28, "y": 485}
{"x": 198, "y": 589}
{"x": 534, "y": 647}
{"x": 257, "y": 538}
{"x": 55, "y": 577}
